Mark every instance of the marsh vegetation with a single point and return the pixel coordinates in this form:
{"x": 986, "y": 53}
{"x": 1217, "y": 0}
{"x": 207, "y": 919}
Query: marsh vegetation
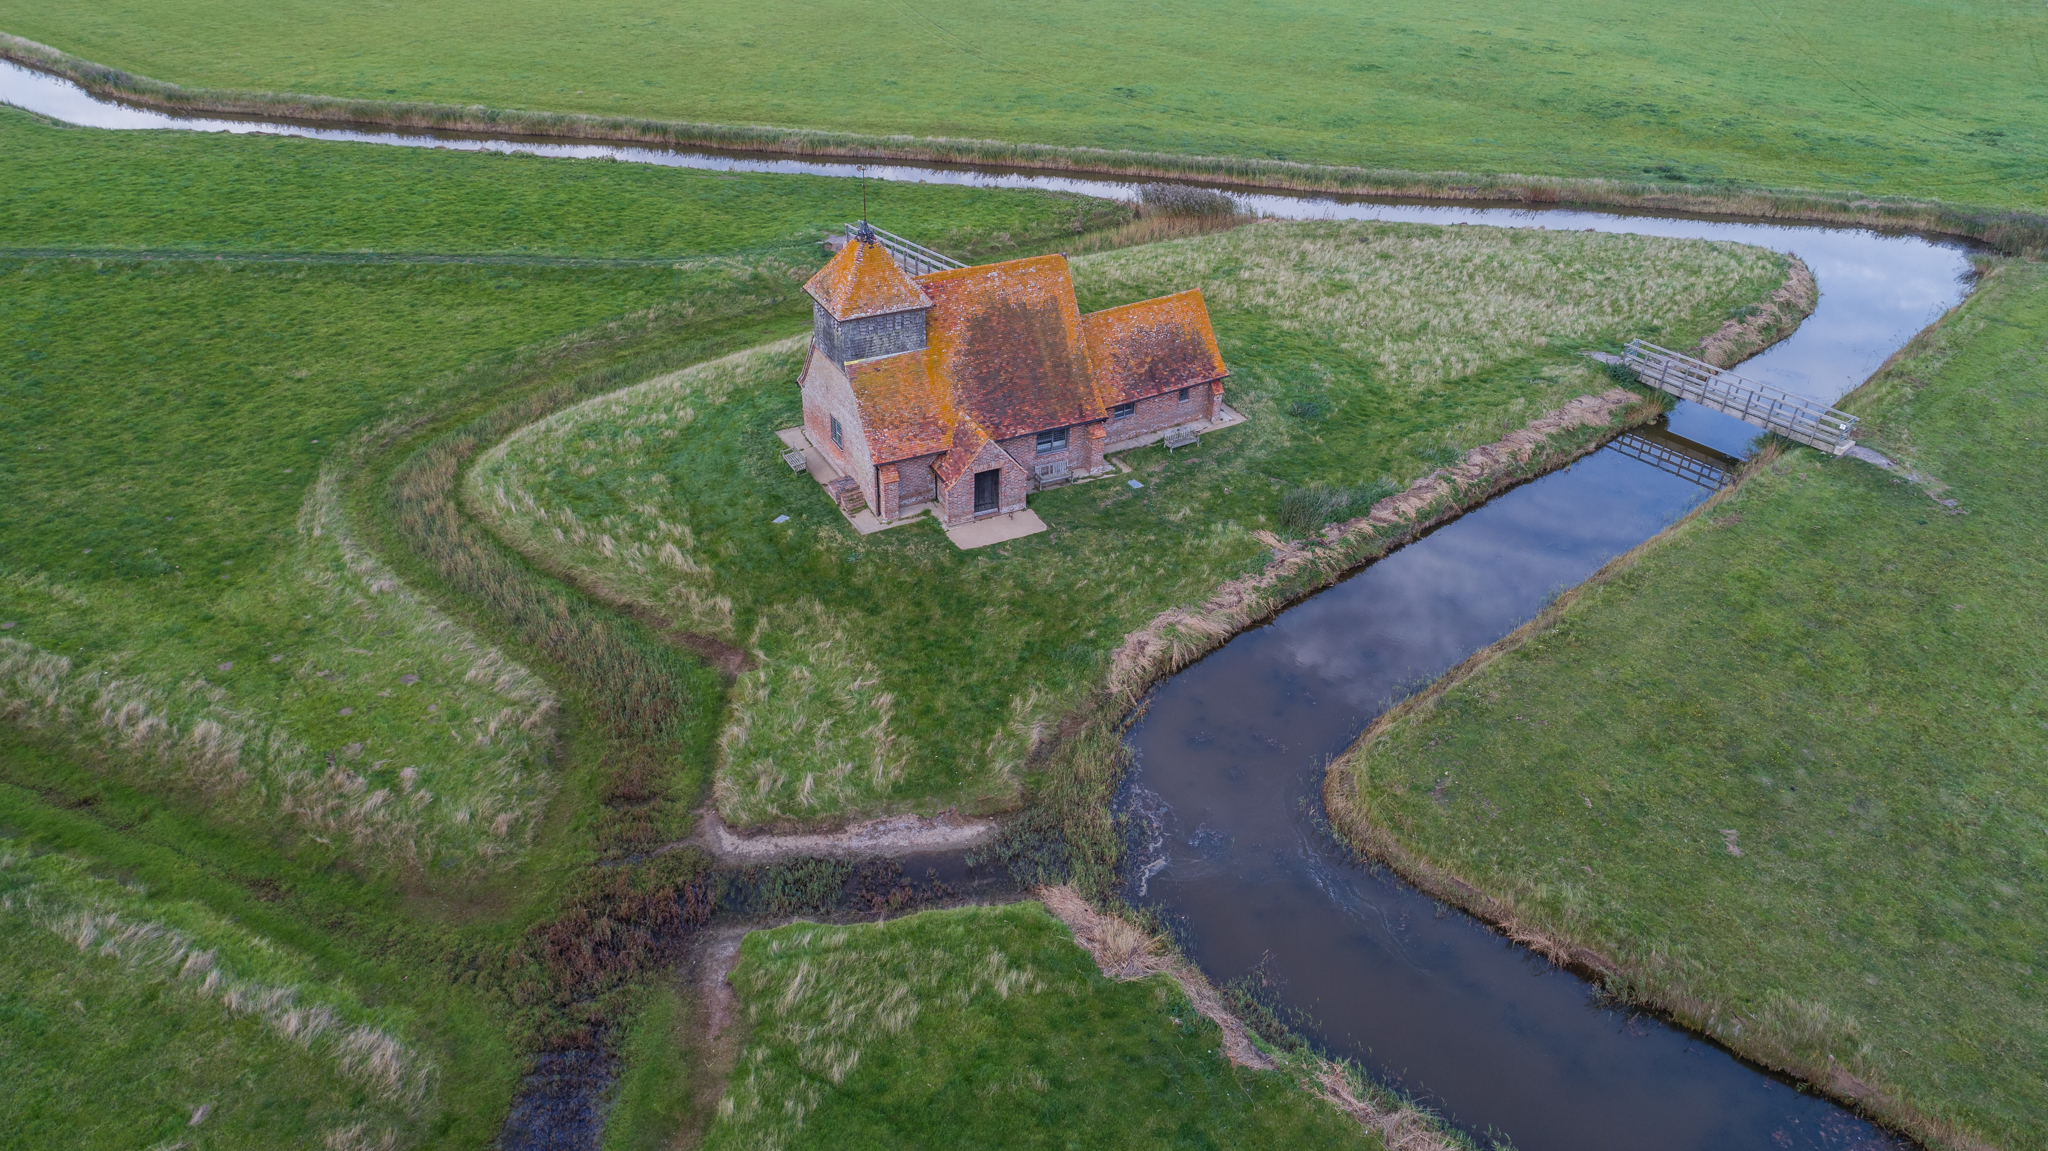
{"x": 986, "y": 1026}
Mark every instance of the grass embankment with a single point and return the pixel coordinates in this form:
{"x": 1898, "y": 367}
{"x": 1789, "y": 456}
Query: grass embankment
{"x": 210, "y": 673}
{"x": 1804, "y": 95}
{"x": 986, "y": 1027}
{"x": 1362, "y": 353}
{"x": 1785, "y": 769}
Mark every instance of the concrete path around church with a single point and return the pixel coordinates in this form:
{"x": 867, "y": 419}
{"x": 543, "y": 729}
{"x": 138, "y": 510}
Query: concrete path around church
{"x": 996, "y": 530}
{"x": 821, "y": 469}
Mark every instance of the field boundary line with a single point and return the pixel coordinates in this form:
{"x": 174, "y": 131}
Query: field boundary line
{"x": 505, "y": 260}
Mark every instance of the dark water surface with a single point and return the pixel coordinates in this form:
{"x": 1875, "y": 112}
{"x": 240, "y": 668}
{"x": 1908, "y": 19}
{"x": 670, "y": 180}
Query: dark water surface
{"x": 1229, "y": 756}
{"x": 1228, "y": 770}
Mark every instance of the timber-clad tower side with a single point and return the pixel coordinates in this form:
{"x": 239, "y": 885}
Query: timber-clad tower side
{"x": 870, "y": 308}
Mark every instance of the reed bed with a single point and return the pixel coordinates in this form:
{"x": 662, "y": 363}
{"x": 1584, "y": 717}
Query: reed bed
{"x": 1427, "y": 305}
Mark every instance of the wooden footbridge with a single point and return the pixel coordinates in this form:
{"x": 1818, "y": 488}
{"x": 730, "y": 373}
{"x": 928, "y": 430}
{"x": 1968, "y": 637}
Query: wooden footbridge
{"x": 1773, "y": 409}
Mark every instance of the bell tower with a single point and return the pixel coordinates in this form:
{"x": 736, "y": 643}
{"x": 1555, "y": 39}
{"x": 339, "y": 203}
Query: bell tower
{"x": 864, "y": 306}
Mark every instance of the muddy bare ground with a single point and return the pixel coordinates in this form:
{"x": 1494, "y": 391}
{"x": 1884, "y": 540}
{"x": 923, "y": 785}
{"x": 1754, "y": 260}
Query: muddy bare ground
{"x": 890, "y": 838}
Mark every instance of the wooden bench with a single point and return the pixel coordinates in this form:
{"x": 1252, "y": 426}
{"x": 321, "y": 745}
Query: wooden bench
{"x": 1181, "y": 438}
{"x": 794, "y": 457}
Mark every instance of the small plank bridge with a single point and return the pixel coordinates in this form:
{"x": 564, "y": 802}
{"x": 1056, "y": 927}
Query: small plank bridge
{"x": 1809, "y": 422}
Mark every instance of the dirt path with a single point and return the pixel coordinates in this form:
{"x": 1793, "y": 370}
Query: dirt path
{"x": 888, "y": 838}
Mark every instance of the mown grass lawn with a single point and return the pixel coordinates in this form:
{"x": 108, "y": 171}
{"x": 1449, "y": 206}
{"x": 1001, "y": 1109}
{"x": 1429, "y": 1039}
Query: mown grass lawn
{"x": 986, "y": 1027}
{"x": 896, "y": 672}
{"x": 1844, "y": 681}
{"x": 1800, "y": 94}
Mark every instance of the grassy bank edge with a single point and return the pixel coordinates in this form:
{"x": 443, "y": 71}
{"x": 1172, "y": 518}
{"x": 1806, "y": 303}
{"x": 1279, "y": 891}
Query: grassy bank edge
{"x": 1069, "y": 828}
{"x": 2017, "y": 233}
{"x": 1354, "y": 823}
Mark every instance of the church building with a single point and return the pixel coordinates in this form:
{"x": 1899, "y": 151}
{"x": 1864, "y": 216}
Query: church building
{"x": 962, "y": 389}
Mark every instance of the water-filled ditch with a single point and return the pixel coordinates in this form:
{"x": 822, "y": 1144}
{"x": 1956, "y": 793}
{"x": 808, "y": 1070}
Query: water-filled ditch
{"x": 1229, "y": 753}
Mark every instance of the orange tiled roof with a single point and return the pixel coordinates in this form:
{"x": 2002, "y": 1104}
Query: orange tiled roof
{"x": 1009, "y": 354}
{"x": 967, "y": 441}
{"x": 1153, "y": 346}
{"x": 864, "y": 280}
{"x": 901, "y": 414}
{"x": 1005, "y": 341}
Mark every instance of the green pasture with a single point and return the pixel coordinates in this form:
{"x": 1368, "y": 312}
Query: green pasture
{"x": 895, "y": 672}
{"x": 1838, "y": 678}
{"x": 1938, "y": 100}
{"x": 84, "y": 190}
{"x": 207, "y": 1025}
{"x": 220, "y": 682}
{"x": 986, "y": 1027}
{"x": 119, "y": 1049}
{"x": 172, "y": 545}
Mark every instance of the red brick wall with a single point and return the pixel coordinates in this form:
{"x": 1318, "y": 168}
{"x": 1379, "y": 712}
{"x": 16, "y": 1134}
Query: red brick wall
{"x": 1083, "y": 452}
{"x": 958, "y": 505}
{"x": 1157, "y": 413}
{"x": 827, "y": 394}
{"x": 917, "y": 483}
{"x": 904, "y": 484}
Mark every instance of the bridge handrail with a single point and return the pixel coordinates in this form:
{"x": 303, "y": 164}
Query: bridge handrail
{"x": 1772, "y": 408}
{"x": 908, "y": 252}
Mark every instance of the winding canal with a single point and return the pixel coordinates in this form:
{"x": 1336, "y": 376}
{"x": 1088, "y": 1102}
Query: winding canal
{"x": 1230, "y": 753}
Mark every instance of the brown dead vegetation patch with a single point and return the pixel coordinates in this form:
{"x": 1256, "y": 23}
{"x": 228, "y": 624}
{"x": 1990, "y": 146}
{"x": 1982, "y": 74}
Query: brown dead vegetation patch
{"x": 890, "y": 836}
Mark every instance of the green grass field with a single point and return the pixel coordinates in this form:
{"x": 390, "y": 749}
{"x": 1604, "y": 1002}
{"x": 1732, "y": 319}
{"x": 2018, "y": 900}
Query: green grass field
{"x": 180, "y": 588}
{"x": 986, "y": 1027}
{"x": 1843, "y": 680}
{"x": 1364, "y": 355}
{"x": 1930, "y": 99}
{"x": 221, "y": 681}
{"x": 79, "y": 189}
{"x": 209, "y": 1027}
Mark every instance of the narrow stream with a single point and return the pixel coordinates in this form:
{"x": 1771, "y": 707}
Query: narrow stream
{"x": 1229, "y": 754}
